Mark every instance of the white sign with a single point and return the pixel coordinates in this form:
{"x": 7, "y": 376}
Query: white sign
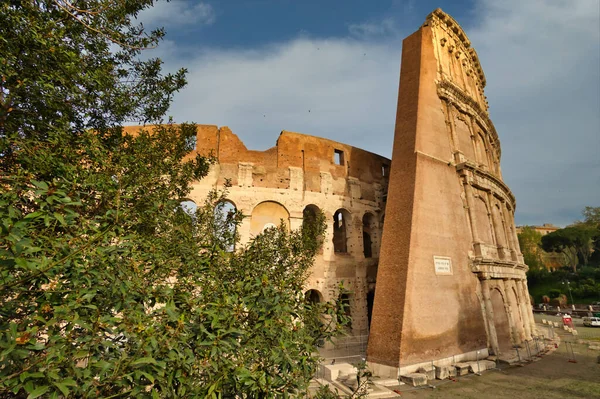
{"x": 443, "y": 265}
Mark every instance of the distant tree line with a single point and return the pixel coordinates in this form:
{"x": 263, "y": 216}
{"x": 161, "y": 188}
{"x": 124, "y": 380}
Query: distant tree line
{"x": 575, "y": 251}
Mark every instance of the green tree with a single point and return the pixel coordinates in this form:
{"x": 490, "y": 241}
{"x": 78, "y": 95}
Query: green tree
{"x": 529, "y": 242}
{"x": 591, "y": 215}
{"x": 575, "y": 242}
{"x": 108, "y": 286}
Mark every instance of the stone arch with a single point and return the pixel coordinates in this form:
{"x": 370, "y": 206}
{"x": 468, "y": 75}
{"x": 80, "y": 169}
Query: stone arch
{"x": 310, "y": 218}
{"x": 369, "y": 231}
{"x": 313, "y": 296}
{"x": 225, "y": 225}
{"x": 484, "y": 228}
{"x": 341, "y": 230}
{"x": 463, "y": 133}
{"x": 268, "y": 213}
{"x": 501, "y": 238}
{"x": 482, "y": 150}
{"x": 188, "y": 206}
{"x": 501, "y": 322}
{"x": 516, "y": 312}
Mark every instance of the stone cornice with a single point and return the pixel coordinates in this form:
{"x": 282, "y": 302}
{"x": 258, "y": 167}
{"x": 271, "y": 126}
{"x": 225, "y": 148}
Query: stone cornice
{"x": 486, "y": 175}
{"x": 440, "y": 16}
{"x": 451, "y": 92}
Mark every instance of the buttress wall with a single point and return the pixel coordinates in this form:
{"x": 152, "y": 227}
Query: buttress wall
{"x": 451, "y": 272}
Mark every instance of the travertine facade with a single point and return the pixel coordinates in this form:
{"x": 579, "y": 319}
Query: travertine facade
{"x": 451, "y": 283}
{"x": 299, "y": 174}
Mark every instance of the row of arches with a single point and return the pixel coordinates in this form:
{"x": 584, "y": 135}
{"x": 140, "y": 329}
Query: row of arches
{"x": 268, "y": 214}
{"x": 474, "y": 145}
{"x": 492, "y": 222}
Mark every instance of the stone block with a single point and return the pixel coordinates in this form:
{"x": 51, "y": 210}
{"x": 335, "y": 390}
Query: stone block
{"x": 444, "y": 372}
{"x": 429, "y": 371}
{"x": 462, "y": 368}
{"x": 331, "y": 372}
{"x": 482, "y": 365}
{"x": 414, "y": 379}
{"x": 387, "y": 382}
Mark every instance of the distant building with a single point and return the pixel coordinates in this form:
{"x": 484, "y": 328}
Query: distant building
{"x": 544, "y": 229}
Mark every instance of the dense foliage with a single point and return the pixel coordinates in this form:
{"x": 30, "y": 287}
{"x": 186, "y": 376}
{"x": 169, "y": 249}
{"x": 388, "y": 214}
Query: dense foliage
{"x": 579, "y": 247}
{"x": 108, "y": 287}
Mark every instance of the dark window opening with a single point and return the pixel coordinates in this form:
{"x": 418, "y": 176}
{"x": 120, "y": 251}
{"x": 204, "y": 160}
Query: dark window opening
{"x": 339, "y": 232}
{"x": 385, "y": 170}
{"x": 368, "y": 230}
{"x": 312, "y": 297}
{"x": 338, "y": 157}
{"x": 367, "y": 245}
{"x": 370, "y": 301}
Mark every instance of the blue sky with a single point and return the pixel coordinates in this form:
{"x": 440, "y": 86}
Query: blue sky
{"x": 259, "y": 66}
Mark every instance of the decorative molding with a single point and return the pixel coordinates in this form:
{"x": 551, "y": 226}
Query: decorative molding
{"x": 467, "y": 104}
{"x": 438, "y": 17}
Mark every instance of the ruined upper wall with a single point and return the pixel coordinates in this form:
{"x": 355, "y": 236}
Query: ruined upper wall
{"x": 316, "y": 159}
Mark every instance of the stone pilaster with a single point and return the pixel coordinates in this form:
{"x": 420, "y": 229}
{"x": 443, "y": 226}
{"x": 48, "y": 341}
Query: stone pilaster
{"x": 510, "y": 306}
{"x": 489, "y": 315}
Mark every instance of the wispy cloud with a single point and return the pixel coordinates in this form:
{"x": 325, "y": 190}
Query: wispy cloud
{"x": 386, "y": 26}
{"x": 177, "y": 13}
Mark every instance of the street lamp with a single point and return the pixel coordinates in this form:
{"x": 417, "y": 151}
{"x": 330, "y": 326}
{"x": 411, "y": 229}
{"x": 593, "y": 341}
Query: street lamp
{"x": 570, "y": 293}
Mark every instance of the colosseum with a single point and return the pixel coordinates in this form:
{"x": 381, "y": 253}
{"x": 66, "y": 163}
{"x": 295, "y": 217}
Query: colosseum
{"x": 301, "y": 174}
{"x": 449, "y": 275}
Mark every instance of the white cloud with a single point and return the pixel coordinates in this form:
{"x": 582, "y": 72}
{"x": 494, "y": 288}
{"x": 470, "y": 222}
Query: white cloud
{"x": 328, "y": 88}
{"x": 386, "y": 26}
{"x": 177, "y": 13}
{"x": 542, "y": 63}
{"x": 540, "y": 58}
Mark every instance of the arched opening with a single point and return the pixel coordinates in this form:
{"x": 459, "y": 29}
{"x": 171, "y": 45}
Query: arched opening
{"x": 189, "y": 207}
{"x": 341, "y": 221}
{"x": 516, "y": 311}
{"x": 482, "y": 151}
{"x": 225, "y": 224}
{"x": 501, "y": 236}
{"x": 369, "y": 226}
{"x": 484, "y": 227}
{"x": 268, "y": 214}
{"x": 501, "y": 321}
{"x": 370, "y": 301}
{"x": 313, "y": 297}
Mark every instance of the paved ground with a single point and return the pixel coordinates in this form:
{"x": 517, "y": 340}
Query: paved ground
{"x": 551, "y": 377}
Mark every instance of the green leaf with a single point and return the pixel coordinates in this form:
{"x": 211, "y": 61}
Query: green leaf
{"x": 63, "y": 388}
{"x": 144, "y": 360}
{"x": 37, "y": 392}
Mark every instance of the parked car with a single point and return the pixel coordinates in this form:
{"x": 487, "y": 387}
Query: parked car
{"x": 591, "y": 321}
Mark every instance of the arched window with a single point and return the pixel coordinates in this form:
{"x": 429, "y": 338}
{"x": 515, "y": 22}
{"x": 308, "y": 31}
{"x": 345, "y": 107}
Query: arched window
{"x": 341, "y": 220}
{"x": 368, "y": 231}
{"x": 313, "y": 297}
{"x": 482, "y": 151}
{"x": 189, "y": 207}
{"x": 311, "y": 220}
{"x": 225, "y": 224}
{"x": 268, "y": 214}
